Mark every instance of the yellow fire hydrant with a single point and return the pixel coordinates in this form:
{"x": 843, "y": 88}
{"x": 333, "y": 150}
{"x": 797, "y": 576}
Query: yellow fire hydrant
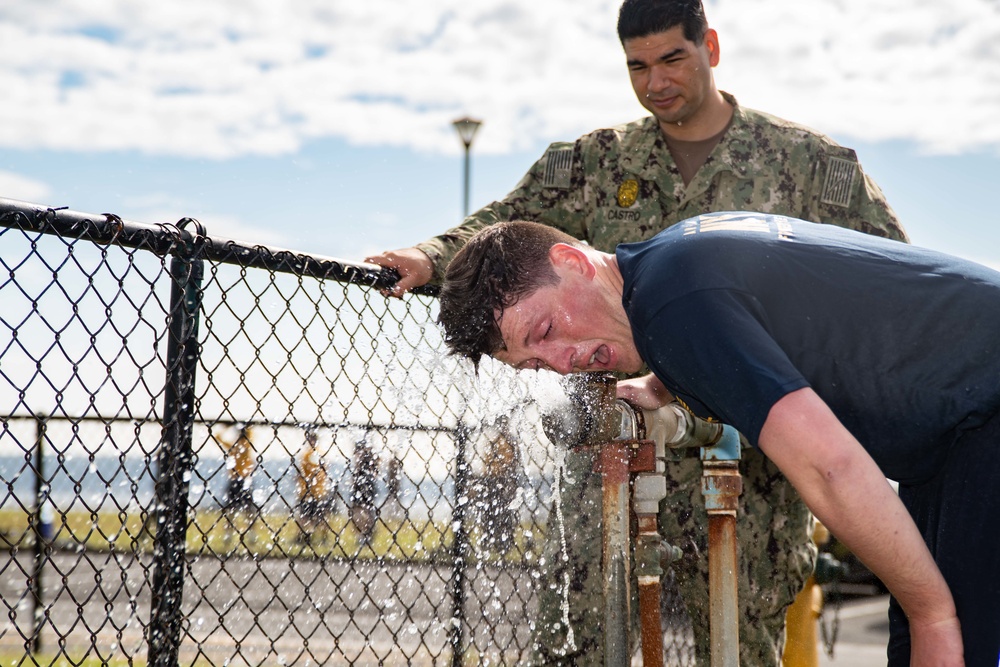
{"x": 801, "y": 640}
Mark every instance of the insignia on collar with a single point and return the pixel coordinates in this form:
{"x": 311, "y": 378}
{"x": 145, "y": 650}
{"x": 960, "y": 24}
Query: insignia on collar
{"x": 627, "y": 192}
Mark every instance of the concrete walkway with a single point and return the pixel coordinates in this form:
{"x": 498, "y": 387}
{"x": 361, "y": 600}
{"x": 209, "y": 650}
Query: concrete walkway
{"x": 863, "y": 634}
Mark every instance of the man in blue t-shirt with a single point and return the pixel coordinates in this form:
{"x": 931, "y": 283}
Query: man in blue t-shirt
{"x": 771, "y": 324}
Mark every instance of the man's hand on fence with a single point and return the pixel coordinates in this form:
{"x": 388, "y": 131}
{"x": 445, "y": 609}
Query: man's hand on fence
{"x": 414, "y": 266}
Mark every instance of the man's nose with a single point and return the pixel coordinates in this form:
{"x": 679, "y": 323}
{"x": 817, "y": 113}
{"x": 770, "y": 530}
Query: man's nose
{"x": 659, "y": 78}
{"x": 561, "y": 362}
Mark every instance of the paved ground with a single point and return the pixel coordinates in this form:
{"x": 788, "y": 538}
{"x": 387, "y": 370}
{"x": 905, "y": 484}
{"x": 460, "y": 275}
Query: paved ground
{"x": 342, "y": 610}
{"x": 863, "y": 634}
{"x": 241, "y": 611}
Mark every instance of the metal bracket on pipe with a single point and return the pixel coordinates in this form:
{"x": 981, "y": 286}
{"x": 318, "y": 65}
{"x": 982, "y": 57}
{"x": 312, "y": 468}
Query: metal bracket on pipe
{"x": 674, "y": 427}
{"x": 727, "y": 448}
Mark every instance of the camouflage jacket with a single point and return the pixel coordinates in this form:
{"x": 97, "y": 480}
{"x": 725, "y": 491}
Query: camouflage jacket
{"x": 620, "y": 184}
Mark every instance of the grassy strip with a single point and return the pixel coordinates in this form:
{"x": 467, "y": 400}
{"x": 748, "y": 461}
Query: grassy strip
{"x": 263, "y": 535}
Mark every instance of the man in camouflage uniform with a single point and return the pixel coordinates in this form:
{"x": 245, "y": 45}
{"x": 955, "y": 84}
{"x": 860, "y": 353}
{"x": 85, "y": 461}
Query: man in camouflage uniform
{"x": 699, "y": 152}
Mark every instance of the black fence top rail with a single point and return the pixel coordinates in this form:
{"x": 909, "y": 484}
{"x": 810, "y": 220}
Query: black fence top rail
{"x": 189, "y": 236}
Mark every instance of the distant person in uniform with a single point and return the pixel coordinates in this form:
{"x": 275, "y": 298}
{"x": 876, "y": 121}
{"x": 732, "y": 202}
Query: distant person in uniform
{"x": 314, "y": 492}
{"x": 394, "y": 486}
{"x": 496, "y": 489}
{"x": 364, "y": 469}
{"x": 237, "y": 504}
{"x": 240, "y": 465}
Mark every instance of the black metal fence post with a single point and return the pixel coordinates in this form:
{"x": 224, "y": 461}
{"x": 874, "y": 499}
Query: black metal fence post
{"x": 175, "y": 460}
{"x": 42, "y": 536}
{"x": 460, "y": 547}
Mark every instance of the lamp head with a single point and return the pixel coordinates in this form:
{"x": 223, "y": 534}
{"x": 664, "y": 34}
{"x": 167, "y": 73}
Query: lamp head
{"x": 466, "y": 128}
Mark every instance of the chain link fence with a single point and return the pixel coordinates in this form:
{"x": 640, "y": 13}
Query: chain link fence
{"x": 224, "y": 454}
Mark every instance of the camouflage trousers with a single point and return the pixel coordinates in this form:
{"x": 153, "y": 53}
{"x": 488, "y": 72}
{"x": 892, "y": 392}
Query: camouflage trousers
{"x": 775, "y": 551}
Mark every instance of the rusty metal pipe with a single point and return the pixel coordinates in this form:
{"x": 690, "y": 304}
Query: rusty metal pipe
{"x": 649, "y": 572}
{"x": 614, "y": 458}
{"x": 721, "y": 486}
{"x": 723, "y": 590}
{"x": 602, "y": 428}
{"x": 652, "y": 432}
{"x": 648, "y": 489}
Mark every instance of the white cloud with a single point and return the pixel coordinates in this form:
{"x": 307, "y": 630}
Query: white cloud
{"x": 920, "y": 70}
{"x": 221, "y": 78}
{"x": 15, "y": 186}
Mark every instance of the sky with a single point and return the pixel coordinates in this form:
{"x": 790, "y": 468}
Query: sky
{"x": 325, "y": 126}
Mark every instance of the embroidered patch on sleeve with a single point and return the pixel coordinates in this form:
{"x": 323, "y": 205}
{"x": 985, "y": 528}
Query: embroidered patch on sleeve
{"x": 839, "y": 183}
{"x": 558, "y": 167}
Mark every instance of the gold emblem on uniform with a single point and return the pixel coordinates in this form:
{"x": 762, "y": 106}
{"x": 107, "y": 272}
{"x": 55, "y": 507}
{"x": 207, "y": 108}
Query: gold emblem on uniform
{"x": 627, "y": 192}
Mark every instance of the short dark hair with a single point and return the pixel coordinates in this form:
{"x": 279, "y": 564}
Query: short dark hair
{"x": 500, "y": 265}
{"x": 641, "y": 18}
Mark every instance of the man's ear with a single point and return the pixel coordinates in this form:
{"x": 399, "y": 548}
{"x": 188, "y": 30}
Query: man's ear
{"x": 712, "y": 44}
{"x": 571, "y": 258}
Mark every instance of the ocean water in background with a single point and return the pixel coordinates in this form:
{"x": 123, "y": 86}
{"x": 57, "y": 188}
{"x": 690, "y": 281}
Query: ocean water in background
{"x": 119, "y": 475}
{"x": 108, "y": 484}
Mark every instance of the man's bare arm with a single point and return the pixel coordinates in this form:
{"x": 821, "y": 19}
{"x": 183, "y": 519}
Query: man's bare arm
{"x": 845, "y": 489}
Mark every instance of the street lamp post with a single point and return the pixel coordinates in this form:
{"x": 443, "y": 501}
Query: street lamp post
{"x": 466, "y": 128}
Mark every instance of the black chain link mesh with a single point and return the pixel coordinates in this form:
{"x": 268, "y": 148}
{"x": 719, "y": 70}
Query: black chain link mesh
{"x": 323, "y": 505}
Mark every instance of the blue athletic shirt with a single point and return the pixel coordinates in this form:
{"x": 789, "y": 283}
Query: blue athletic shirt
{"x": 734, "y": 310}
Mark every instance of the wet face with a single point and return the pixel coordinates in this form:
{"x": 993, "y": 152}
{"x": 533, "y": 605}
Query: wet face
{"x": 571, "y": 327}
{"x": 671, "y": 76}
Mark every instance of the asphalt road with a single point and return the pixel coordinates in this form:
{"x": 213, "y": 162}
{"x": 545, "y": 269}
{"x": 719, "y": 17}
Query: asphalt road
{"x": 297, "y": 611}
{"x": 281, "y": 610}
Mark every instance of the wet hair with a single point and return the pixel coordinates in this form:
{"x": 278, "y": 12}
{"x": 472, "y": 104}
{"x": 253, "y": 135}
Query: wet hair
{"x": 641, "y": 18}
{"x": 500, "y": 265}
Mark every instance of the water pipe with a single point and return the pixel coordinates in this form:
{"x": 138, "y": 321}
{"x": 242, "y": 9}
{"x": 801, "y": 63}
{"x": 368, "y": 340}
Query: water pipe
{"x": 721, "y": 486}
{"x": 601, "y": 429}
{"x": 674, "y": 427}
{"x": 652, "y": 554}
{"x": 630, "y": 440}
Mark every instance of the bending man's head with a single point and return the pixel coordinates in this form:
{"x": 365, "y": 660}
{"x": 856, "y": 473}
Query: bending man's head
{"x": 498, "y": 266}
{"x": 534, "y": 297}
